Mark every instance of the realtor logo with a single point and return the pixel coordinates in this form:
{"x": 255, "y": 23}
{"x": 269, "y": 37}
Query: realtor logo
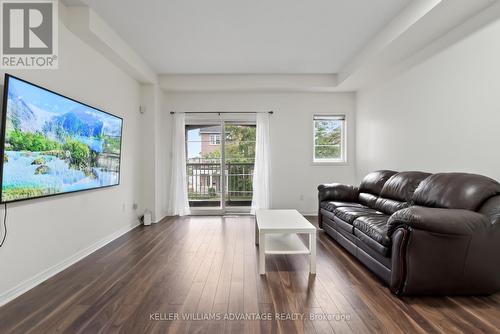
{"x": 29, "y": 34}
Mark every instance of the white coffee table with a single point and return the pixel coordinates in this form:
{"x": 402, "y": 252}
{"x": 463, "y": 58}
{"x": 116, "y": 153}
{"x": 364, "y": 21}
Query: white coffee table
{"x": 276, "y": 233}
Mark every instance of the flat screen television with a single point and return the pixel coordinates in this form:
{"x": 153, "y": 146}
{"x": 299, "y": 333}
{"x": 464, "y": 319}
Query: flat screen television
{"x": 52, "y": 144}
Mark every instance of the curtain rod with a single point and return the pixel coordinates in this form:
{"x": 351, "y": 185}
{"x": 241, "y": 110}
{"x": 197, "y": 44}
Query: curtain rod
{"x": 223, "y": 112}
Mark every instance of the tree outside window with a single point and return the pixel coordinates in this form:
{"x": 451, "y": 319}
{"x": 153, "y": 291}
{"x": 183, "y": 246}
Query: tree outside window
{"x": 329, "y": 138}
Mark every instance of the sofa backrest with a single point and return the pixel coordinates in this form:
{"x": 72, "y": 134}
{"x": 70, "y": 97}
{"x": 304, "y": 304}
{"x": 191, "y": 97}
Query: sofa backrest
{"x": 372, "y": 185}
{"x": 398, "y": 191}
{"x": 455, "y": 191}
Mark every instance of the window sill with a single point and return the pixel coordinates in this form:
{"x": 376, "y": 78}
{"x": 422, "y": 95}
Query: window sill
{"x": 330, "y": 163}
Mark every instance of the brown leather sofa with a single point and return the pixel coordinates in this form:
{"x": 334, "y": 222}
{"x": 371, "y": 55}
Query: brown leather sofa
{"x": 421, "y": 233}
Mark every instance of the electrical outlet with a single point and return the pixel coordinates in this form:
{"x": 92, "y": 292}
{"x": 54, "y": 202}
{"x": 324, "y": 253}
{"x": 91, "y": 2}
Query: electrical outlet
{"x": 123, "y": 207}
{"x": 135, "y": 206}
{"x": 301, "y": 197}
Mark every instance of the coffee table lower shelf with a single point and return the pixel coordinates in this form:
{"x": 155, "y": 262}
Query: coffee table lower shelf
{"x": 281, "y": 243}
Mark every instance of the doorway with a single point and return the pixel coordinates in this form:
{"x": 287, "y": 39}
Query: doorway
{"x": 220, "y": 159}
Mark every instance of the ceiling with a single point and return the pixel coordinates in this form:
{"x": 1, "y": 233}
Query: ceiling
{"x": 252, "y": 36}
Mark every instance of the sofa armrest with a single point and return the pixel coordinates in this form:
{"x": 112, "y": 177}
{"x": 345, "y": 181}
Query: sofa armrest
{"x": 443, "y": 252}
{"x": 446, "y": 221}
{"x": 337, "y": 192}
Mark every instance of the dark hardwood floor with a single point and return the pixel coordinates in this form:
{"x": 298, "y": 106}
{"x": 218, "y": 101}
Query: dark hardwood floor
{"x": 199, "y": 266}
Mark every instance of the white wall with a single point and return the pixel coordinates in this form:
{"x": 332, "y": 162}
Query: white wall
{"x": 46, "y": 232}
{"x": 151, "y": 97}
{"x": 442, "y": 115}
{"x": 293, "y": 173}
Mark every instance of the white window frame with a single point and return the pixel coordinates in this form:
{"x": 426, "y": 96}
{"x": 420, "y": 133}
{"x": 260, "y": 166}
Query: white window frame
{"x": 343, "y": 139}
{"x": 214, "y": 139}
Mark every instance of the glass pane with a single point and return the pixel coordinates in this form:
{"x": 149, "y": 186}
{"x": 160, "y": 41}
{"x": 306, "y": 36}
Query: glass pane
{"x": 328, "y": 139}
{"x": 327, "y": 152}
{"x": 239, "y": 159}
{"x": 240, "y": 143}
{"x": 327, "y": 132}
{"x": 203, "y": 165}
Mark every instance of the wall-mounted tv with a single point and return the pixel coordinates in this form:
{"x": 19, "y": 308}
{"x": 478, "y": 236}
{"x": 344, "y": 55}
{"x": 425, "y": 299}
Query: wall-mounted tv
{"x": 52, "y": 144}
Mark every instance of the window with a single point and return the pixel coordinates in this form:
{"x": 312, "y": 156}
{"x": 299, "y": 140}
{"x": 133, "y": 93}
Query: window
{"x": 214, "y": 139}
{"x": 329, "y": 138}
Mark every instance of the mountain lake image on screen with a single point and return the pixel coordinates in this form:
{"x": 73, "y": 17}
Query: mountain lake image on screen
{"x": 53, "y": 144}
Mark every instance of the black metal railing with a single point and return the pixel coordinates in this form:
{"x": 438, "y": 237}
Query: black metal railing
{"x": 204, "y": 182}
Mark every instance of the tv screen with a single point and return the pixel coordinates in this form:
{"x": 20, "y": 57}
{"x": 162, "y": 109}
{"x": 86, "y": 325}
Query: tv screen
{"x": 52, "y": 144}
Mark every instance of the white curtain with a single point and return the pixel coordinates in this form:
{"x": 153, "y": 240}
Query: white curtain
{"x": 178, "y": 199}
{"x": 261, "y": 188}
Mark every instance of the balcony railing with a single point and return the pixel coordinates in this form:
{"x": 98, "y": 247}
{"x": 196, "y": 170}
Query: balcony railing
{"x": 205, "y": 186}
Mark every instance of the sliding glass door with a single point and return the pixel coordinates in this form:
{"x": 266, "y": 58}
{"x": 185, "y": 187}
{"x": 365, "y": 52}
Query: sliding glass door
{"x": 239, "y": 159}
{"x": 219, "y": 165}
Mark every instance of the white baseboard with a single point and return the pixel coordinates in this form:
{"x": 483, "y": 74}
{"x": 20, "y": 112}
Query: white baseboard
{"x": 163, "y": 217}
{"x": 48, "y": 273}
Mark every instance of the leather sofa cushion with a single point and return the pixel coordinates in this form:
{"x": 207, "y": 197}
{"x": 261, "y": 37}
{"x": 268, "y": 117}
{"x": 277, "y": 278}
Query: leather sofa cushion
{"x": 328, "y": 218}
{"x": 344, "y": 228}
{"x": 349, "y": 214}
{"x": 367, "y": 199}
{"x": 328, "y": 214}
{"x": 332, "y": 205}
{"x": 366, "y": 242}
{"x": 389, "y": 206}
{"x": 372, "y": 231}
{"x": 374, "y": 181}
{"x": 402, "y": 186}
{"x": 455, "y": 191}
{"x": 398, "y": 191}
{"x": 375, "y": 227}
{"x": 338, "y": 224}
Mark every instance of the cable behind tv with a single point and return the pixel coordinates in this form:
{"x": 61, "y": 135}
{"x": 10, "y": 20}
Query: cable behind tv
{"x": 4, "y": 225}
